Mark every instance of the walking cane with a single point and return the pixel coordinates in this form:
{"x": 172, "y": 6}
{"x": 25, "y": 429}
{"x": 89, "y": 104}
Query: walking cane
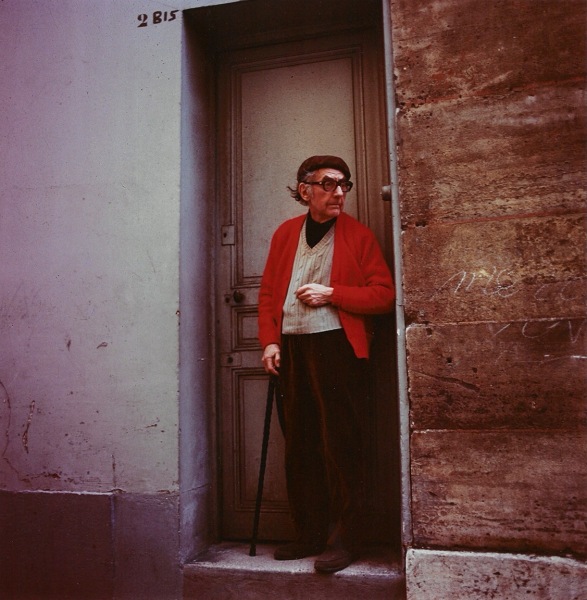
{"x": 268, "y": 410}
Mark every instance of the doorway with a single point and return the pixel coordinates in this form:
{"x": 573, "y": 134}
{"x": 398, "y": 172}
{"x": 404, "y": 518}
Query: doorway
{"x": 284, "y": 85}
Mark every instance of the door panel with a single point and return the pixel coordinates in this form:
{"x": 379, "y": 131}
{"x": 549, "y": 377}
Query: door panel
{"x": 278, "y": 105}
{"x": 276, "y": 119}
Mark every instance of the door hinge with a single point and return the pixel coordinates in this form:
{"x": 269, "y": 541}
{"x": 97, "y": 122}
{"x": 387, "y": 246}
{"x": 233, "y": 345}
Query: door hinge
{"x": 228, "y": 235}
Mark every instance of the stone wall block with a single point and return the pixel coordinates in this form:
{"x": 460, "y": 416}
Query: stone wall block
{"x": 474, "y": 47}
{"x": 517, "y": 375}
{"x": 518, "y": 154}
{"x": 514, "y": 491}
{"x": 440, "y": 574}
{"x": 507, "y": 270}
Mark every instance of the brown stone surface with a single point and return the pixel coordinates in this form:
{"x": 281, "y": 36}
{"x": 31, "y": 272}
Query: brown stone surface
{"x": 492, "y": 178}
{"x": 517, "y": 491}
{"x": 522, "y": 153}
{"x": 517, "y": 375}
{"x": 442, "y": 575}
{"x": 475, "y": 47}
{"x": 510, "y": 270}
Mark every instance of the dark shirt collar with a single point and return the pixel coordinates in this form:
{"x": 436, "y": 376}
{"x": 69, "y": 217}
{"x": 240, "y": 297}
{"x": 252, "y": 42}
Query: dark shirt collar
{"x": 316, "y": 231}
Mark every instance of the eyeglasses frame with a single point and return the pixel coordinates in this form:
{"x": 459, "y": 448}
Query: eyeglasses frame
{"x": 337, "y": 182}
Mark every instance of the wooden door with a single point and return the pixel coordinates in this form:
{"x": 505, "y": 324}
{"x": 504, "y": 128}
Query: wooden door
{"x": 279, "y": 104}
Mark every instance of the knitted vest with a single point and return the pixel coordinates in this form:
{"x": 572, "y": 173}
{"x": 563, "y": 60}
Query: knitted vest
{"x": 311, "y": 265}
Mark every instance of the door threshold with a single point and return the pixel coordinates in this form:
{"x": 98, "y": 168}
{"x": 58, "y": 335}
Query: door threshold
{"x": 227, "y": 571}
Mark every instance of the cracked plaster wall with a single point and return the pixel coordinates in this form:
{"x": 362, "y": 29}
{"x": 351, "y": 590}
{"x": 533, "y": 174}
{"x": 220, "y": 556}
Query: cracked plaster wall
{"x": 89, "y": 239}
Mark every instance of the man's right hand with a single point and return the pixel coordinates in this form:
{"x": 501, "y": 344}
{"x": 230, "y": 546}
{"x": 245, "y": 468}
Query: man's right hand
{"x": 271, "y": 358}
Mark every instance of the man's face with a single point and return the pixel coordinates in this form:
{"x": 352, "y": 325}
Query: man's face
{"x": 323, "y": 205}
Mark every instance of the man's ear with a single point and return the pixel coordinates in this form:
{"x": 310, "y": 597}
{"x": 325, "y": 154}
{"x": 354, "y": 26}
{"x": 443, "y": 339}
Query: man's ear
{"x": 305, "y": 191}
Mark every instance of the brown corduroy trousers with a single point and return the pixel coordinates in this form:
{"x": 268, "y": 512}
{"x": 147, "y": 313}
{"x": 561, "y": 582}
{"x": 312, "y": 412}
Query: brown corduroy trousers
{"x": 324, "y": 387}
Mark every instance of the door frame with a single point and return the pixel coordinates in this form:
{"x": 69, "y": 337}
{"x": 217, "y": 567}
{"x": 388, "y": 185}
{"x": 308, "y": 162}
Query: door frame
{"x": 197, "y": 376}
{"x": 401, "y": 356}
{"x": 358, "y": 54}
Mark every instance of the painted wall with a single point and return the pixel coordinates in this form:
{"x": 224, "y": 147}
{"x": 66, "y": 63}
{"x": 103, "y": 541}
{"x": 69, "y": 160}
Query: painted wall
{"x": 90, "y": 292}
{"x": 89, "y": 245}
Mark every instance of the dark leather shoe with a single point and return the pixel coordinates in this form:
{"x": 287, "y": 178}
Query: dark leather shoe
{"x": 296, "y": 550}
{"x": 333, "y": 560}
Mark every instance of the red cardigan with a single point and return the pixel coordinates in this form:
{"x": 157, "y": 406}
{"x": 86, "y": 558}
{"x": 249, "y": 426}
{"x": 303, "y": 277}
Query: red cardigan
{"x": 360, "y": 278}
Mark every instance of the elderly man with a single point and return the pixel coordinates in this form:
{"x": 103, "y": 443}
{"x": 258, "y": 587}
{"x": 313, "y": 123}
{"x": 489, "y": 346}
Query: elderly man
{"x": 325, "y": 274}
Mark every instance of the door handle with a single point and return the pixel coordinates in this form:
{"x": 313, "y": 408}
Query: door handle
{"x": 236, "y": 296}
{"x": 386, "y": 193}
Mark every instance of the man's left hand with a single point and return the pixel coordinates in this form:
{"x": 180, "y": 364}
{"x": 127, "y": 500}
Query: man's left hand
{"x": 314, "y": 294}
